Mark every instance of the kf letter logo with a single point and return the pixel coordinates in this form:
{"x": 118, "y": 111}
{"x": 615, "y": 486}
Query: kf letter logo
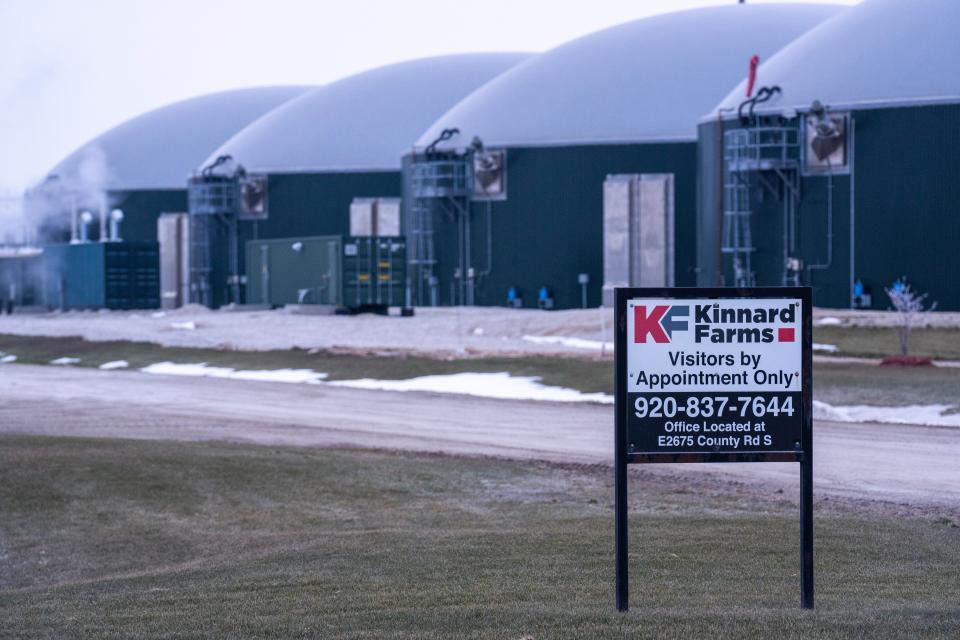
{"x": 660, "y": 322}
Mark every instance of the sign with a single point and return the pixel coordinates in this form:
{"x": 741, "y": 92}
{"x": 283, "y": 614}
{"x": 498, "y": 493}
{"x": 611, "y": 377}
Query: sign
{"x": 714, "y": 375}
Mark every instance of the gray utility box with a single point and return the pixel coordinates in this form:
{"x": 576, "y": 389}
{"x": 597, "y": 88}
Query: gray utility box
{"x": 173, "y": 233}
{"x": 638, "y": 232}
{"x": 286, "y": 271}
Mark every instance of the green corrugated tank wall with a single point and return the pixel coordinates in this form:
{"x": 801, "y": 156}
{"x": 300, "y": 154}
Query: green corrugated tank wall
{"x": 906, "y": 218}
{"x": 102, "y": 275}
{"x": 550, "y": 227}
{"x": 142, "y": 208}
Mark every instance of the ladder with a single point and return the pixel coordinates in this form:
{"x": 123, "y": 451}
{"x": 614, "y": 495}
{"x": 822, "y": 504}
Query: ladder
{"x": 438, "y": 184}
{"x": 765, "y": 155}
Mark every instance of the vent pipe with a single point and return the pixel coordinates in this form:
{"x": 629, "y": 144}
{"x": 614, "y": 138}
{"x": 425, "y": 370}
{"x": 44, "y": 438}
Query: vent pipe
{"x": 752, "y": 74}
{"x": 85, "y": 219}
{"x": 74, "y": 221}
{"x": 102, "y": 210}
{"x": 116, "y": 217}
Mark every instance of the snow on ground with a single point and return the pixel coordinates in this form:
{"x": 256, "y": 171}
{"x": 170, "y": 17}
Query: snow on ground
{"x": 933, "y": 414}
{"x": 486, "y": 385}
{"x": 437, "y": 331}
{"x": 828, "y": 348}
{"x": 7, "y": 358}
{"x": 507, "y": 387}
{"x": 63, "y": 361}
{"x": 114, "y": 364}
{"x": 302, "y": 376}
{"x": 574, "y": 343}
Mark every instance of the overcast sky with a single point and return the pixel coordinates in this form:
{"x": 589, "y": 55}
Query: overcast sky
{"x": 74, "y": 68}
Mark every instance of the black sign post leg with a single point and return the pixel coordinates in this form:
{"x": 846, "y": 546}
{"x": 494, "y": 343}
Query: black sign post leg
{"x": 620, "y": 456}
{"x": 806, "y": 462}
{"x": 806, "y": 532}
{"x": 623, "y": 581}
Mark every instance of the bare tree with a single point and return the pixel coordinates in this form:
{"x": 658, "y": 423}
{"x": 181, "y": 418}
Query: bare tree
{"x": 909, "y": 304}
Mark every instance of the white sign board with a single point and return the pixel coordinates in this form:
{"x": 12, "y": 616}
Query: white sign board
{"x": 714, "y": 375}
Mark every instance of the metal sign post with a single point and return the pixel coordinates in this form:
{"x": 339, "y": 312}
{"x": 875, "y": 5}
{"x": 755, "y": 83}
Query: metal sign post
{"x": 713, "y": 375}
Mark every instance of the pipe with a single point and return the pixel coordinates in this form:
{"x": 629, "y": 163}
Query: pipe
{"x": 486, "y": 272}
{"x": 74, "y": 221}
{"x": 752, "y": 74}
{"x": 826, "y": 265}
{"x": 102, "y": 211}
{"x": 85, "y": 219}
{"x": 851, "y": 156}
{"x": 469, "y": 258}
{"x": 116, "y": 217}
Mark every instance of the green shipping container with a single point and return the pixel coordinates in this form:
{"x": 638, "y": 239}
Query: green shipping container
{"x": 374, "y": 272}
{"x": 102, "y": 275}
{"x": 284, "y": 271}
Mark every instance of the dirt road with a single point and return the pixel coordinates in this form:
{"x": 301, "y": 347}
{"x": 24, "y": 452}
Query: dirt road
{"x": 903, "y": 465}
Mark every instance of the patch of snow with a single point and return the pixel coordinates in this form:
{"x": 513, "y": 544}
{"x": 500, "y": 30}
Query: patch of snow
{"x": 829, "y": 348}
{"x": 931, "y": 414}
{"x": 478, "y": 331}
{"x": 114, "y": 364}
{"x": 828, "y": 321}
{"x": 487, "y": 385}
{"x": 158, "y": 314}
{"x": 575, "y": 343}
{"x": 7, "y": 359}
{"x": 188, "y": 325}
{"x": 301, "y": 376}
{"x": 65, "y": 361}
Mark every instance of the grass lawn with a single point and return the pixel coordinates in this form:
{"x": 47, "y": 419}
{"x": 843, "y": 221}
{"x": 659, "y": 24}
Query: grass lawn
{"x": 586, "y": 375}
{"x": 119, "y": 539}
{"x": 836, "y": 383}
{"x": 879, "y": 342}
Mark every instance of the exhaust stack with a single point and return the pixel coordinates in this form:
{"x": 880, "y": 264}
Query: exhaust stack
{"x": 85, "y": 219}
{"x": 116, "y": 217}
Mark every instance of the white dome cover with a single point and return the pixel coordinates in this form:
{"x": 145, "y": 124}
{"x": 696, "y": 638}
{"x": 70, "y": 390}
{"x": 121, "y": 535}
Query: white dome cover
{"x": 159, "y": 149}
{"x": 646, "y": 80}
{"x": 365, "y": 122}
{"x": 878, "y": 53}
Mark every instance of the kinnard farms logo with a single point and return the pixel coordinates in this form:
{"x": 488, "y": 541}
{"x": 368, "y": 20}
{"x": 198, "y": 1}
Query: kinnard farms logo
{"x": 658, "y": 323}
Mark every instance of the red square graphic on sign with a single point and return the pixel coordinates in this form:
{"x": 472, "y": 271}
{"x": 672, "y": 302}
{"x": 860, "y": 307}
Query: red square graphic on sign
{"x": 785, "y": 334}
